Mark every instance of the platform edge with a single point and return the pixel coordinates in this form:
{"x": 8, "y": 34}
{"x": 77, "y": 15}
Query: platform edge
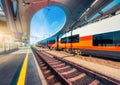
{"x": 41, "y": 76}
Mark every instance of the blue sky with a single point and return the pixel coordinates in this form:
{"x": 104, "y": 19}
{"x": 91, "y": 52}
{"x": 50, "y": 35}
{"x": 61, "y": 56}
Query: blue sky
{"x": 46, "y": 22}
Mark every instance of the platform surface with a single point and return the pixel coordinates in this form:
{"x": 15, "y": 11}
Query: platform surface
{"x": 11, "y": 66}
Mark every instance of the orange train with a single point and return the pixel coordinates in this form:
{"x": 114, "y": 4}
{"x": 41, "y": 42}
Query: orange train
{"x": 101, "y": 39}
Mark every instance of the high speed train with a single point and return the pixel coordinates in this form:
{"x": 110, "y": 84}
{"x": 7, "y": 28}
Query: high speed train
{"x": 100, "y": 39}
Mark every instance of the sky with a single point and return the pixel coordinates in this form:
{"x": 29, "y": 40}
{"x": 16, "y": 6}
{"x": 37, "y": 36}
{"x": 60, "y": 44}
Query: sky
{"x": 46, "y": 22}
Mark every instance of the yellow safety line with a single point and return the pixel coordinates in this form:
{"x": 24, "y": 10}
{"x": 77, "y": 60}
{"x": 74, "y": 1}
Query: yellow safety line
{"x": 21, "y": 79}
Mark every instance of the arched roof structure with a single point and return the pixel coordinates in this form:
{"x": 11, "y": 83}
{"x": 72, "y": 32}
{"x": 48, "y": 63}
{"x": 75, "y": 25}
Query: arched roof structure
{"x": 73, "y": 9}
{"x": 77, "y": 11}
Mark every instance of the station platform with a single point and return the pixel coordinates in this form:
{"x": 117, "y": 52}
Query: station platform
{"x": 102, "y": 69}
{"x": 20, "y": 68}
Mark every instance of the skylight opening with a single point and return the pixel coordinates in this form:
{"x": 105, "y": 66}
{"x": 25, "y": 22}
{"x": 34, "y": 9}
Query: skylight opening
{"x": 111, "y": 5}
{"x": 95, "y": 16}
{"x": 47, "y": 22}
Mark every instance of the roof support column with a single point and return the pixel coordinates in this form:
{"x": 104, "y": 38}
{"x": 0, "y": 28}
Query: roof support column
{"x": 9, "y": 14}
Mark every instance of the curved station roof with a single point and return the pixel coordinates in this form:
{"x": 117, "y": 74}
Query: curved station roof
{"x": 72, "y": 8}
{"x": 77, "y": 11}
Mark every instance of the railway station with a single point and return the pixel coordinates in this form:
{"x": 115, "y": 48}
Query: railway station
{"x": 59, "y": 42}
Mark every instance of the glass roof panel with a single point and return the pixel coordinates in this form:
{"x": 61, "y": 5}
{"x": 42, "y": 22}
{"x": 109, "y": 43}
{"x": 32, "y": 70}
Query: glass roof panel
{"x": 92, "y": 18}
{"x": 14, "y": 4}
{"x": 1, "y": 9}
{"x": 112, "y": 4}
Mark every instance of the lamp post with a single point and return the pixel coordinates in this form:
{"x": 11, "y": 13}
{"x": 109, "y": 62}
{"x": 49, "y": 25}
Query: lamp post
{"x": 58, "y": 42}
{"x": 66, "y": 40}
{"x": 71, "y": 40}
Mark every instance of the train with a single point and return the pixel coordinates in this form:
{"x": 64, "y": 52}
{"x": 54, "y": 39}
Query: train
{"x": 101, "y": 39}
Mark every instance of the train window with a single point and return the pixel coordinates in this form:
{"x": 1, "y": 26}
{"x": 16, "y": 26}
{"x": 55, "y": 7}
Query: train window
{"x": 51, "y": 41}
{"x": 116, "y": 38}
{"x": 96, "y": 40}
{"x": 63, "y": 40}
{"x": 73, "y": 39}
{"x": 69, "y": 39}
{"x": 107, "y": 39}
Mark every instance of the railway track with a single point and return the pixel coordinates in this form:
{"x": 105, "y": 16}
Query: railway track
{"x": 58, "y": 71}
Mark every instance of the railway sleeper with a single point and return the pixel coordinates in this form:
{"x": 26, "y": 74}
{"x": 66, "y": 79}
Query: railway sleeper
{"x": 95, "y": 82}
{"x": 47, "y": 72}
{"x": 56, "y": 63}
{"x": 68, "y": 72}
{"x": 59, "y": 65}
{"x": 84, "y": 80}
{"x": 44, "y": 68}
{"x": 62, "y": 68}
{"x": 51, "y": 79}
{"x": 76, "y": 77}
{"x": 58, "y": 83}
{"x": 42, "y": 64}
{"x": 53, "y": 61}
